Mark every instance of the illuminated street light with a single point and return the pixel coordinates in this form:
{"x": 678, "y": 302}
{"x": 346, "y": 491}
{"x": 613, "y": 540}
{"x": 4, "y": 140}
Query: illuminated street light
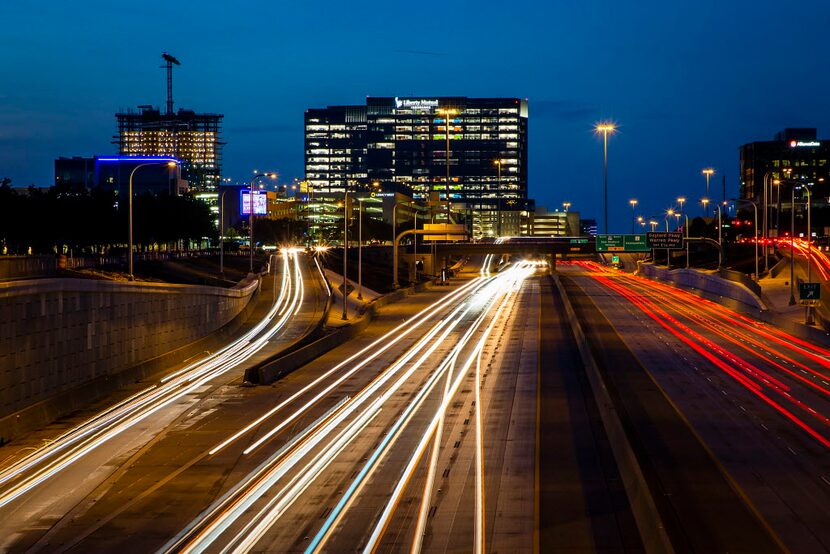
{"x": 708, "y": 172}
{"x": 633, "y": 203}
{"x": 498, "y": 164}
{"x": 169, "y": 163}
{"x": 566, "y": 205}
{"x": 605, "y": 129}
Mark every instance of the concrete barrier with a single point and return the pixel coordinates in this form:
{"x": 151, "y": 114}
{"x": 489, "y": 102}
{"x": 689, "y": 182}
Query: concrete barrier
{"x": 67, "y": 342}
{"x": 651, "y": 526}
{"x": 709, "y": 284}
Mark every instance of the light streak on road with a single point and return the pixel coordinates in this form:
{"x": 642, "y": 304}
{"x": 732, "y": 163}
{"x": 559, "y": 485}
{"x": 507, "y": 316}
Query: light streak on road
{"x": 72, "y": 446}
{"x": 284, "y": 478}
{"x": 747, "y": 340}
{"x": 392, "y": 503}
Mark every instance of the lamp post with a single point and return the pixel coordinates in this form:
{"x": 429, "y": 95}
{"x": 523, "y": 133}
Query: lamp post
{"x": 251, "y": 215}
{"x": 222, "y": 234}
{"x": 633, "y": 203}
{"x": 755, "y": 207}
{"x": 687, "y": 240}
{"x": 808, "y": 315}
{"x": 360, "y": 249}
{"x": 705, "y": 202}
{"x": 681, "y": 200}
{"x": 345, "y": 316}
{"x": 566, "y": 205}
{"x": 498, "y": 197}
{"x": 605, "y": 129}
{"x": 720, "y": 225}
{"x": 168, "y": 163}
{"x": 708, "y": 172}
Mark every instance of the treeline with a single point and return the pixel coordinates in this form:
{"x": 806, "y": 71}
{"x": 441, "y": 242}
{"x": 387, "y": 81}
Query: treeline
{"x": 58, "y": 219}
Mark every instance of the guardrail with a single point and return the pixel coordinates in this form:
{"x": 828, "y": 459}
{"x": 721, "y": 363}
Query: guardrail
{"x": 740, "y": 277}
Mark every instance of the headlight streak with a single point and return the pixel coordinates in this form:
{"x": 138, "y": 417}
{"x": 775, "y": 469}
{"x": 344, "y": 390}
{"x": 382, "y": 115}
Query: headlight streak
{"x": 381, "y": 345}
{"x": 214, "y": 530}
{"x": 382, "y": 523}
{"x": 709, "y": 349}
{"x": 322, "y": 276}
{"x": 200, "y": 534}
{"x": 103, "y": 427}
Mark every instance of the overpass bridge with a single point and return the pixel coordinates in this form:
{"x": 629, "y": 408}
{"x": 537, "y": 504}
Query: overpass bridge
{"x": 576, "y": 246}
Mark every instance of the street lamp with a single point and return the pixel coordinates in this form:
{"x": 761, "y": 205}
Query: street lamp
{"x": 345, "y": 316}
{"x": 808, "y": 316}
{"x": 251, "y": 215}
{"x": 169, "y": 163}
{"x": 633, "y": 203}
{"x": 708, "y": 172}
{"x": 705, "y": 202}
{"x": 447, "y": 113}
{"x": 755, "y": 207}
{"x": 566, "y": 205}
{"x": 605, "y": 129}
{"x": 498, "y": 197}
{"x": 653, "y": 225}
{"x": 360, "y": 249}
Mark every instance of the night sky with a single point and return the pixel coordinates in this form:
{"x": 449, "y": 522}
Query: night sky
{"x": 687, "y": 84}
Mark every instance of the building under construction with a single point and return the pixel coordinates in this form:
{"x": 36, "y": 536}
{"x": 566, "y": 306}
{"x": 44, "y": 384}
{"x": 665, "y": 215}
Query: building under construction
{"x": 186, "y": 135}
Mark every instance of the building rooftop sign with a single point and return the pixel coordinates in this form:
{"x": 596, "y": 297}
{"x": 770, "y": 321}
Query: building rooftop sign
{"x": 804, "y": 144}
{"x": 415, "y": 104}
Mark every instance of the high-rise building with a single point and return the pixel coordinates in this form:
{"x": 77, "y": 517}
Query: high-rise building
{"x": 794, "y": 159}
{"x": 186, "y": 135}
{"x": 470, "y": 150}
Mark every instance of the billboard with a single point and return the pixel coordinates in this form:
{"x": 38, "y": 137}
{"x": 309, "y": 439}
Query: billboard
{"x": 260, "y": 202}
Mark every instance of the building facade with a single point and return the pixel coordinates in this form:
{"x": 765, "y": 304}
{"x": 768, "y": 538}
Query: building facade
{"x": 794, "y": 159}
{"x": 470, "y": 151}
{"x": 186, "y": 135}
{"x": 113, "y": 173}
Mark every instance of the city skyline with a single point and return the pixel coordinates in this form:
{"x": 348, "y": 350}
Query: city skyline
{"x": 622, "y": 64}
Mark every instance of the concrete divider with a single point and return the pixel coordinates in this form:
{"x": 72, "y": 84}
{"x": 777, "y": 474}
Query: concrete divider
{"x": 710, "y": 284}
{"x": 650, "y": 524}
{"x": 268, "y": 372}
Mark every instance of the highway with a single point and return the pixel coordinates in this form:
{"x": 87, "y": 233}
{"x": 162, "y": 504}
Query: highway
{"x": 758, "y": 398}
{"x": 38, "y": 484}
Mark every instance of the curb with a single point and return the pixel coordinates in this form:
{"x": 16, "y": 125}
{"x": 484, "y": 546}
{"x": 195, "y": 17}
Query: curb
{"x": 650, "y": 524}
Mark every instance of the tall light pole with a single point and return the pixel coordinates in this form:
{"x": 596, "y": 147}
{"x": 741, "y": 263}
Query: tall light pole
{"x": 755, "y": 207}
{"x": 251, "y": 215}
{"x": 345, "y": 316}
{"x": 708, "y": 172}
{"x": 169, "y": 163}
{"x": 498, "y": 197}
{"x": 606, "y": 129}
{"x": 808, "y": 316}
{"x": 681, "y": 200}
{"x": 705, "y": 202}
{"x": 566, "y": 205}
{"x": 447, "y": 113}
{"x": 792, "y": 247}
{"x": 360, "y": 249}
{"x": 633, "y": 203}
{"x": 222, "y": 234}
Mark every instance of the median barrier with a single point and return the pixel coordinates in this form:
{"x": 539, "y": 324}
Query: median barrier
{"x": 268, "y": 372}
{"x": 649, "y": 522}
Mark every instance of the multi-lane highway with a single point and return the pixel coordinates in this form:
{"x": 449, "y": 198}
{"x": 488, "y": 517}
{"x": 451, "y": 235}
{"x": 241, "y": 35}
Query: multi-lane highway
{"x": 460, "y": 420}
{"x": 757, "y": 397}
{"x": 36, "y": 483}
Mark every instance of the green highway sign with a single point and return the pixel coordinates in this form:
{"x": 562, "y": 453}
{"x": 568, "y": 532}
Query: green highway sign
{"x": 621, "y": 243}
{"x": 579, "y": 241}
{"x": 665, "y": 240}
{"x": 809, "y": 291}
{"x": 615, "y": 259}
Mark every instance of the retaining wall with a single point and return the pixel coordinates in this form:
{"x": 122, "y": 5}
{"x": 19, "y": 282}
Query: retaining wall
{"x": 58, "y": 334}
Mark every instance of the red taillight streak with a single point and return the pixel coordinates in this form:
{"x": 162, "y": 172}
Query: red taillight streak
{"x": 753, "y": 387}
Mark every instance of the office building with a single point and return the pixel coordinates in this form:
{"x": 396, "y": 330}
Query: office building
{"x": 554, "y": 224}
{"x": 794, "y": 158}
{"x": 113, "y": 173}
{"x": 472, "y": 151}
{"x": 190, "y": 137}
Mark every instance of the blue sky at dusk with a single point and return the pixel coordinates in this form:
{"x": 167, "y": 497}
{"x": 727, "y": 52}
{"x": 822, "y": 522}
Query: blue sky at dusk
{"x": 688, "y": 82}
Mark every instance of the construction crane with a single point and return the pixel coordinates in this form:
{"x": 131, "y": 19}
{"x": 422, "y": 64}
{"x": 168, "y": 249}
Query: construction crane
{"x": 169, "y": 61}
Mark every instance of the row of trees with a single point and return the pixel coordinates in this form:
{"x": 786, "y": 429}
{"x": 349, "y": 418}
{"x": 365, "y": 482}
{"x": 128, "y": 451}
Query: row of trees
{"x": 41, "y": 221}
